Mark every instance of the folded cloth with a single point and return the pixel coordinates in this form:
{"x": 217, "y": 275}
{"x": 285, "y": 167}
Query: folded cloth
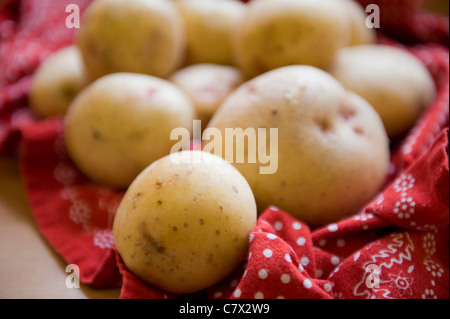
{"x": 72, "y": 213}
{"x": 395, "y": 247}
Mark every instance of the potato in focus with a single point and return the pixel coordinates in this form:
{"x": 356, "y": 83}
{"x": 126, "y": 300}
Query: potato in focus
{"x": 121, "y": 123}
{"x": 332, "y": 150}
{"x": 184, "y": 223}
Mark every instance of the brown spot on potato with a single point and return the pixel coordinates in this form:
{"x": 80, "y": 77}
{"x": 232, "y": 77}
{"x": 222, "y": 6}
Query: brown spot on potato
{"x": 201, "y": 221}
{"x": 158, "y": 185}
{"x": 217, "y": 232}
{"x": 159, "y": 202}
{"x": 69, "y": 91}
{"x": 220, "y": 207}
{"x": 234, "y": 189}
{"x": 186, "y": 225}
{"x": 138, "y": 194}
{"x": 133, "y": 200}
{"x": 324, "y": 124}
{"x": 346, "y": 112}
{"x": 149, "y": 244}
{"x": 96, "y": 135}
{"x": 274, "y": 112}
{"x": 210, "y": 259}
{"x": 358, "y": 130}
{"x": 174, "y": 228}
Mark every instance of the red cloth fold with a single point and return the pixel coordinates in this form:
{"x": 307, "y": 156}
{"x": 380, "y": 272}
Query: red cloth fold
{"x": 73, "y": 214}
{"x": 396, "y": 247}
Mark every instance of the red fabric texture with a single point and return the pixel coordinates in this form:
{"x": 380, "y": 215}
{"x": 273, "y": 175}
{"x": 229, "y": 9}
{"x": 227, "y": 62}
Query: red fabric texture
{"x": 405, "y": 21}
{"x": 73, "y": 214}
{"x": 397, "y": 246}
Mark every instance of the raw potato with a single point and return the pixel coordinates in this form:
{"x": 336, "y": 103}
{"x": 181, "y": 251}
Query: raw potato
{"x": 208, "y": 85}
{"x": 141, "y": 36}
{"x": 56, "y": 82}
{"x": 278, "y": 33}
{"x": 209, "y": 26}
{"x": 392, "y": 80}
{"x": 183, "y": 224}
{"x": 333, "y": 151}
{"x": 360, "y": 33}
{"x": 121, "y": 123}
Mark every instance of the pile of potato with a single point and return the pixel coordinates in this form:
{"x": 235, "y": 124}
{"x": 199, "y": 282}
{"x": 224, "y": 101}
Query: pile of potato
{"x": 310, "y": 68}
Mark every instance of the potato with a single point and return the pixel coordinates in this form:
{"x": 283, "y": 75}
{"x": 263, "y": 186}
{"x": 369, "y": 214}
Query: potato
{"x": 56, "y": 82}
{"x": 278, "y": 33}
{"x": 183, "y": 224}
{"x": 392, "y": 80}
{"x": 141, "y": 36}
{"x": 332, "y": 150}
{"x": 209, "y": 25}
{"x": 360, "y": 33}
{"x": 207, "y": 85}
{"x": 121, "y": 123}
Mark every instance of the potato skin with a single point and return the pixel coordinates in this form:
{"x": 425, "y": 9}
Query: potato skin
{"x": 57, "y": 81}
{"x": 333, "y": 152}
{"x": 137, "y": 36}
{"x": 121, "y": 123}
{"x": 278, "y": 33}
{"x": 208, "y": 85}
{"x": 185, "y": 226}
{"x": 360, "y": 33}
{"x": 209, "y": 26}
{"x": 392, "y": 80}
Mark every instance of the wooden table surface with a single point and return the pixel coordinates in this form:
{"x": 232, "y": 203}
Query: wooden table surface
{"x": 29, "y": 267}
